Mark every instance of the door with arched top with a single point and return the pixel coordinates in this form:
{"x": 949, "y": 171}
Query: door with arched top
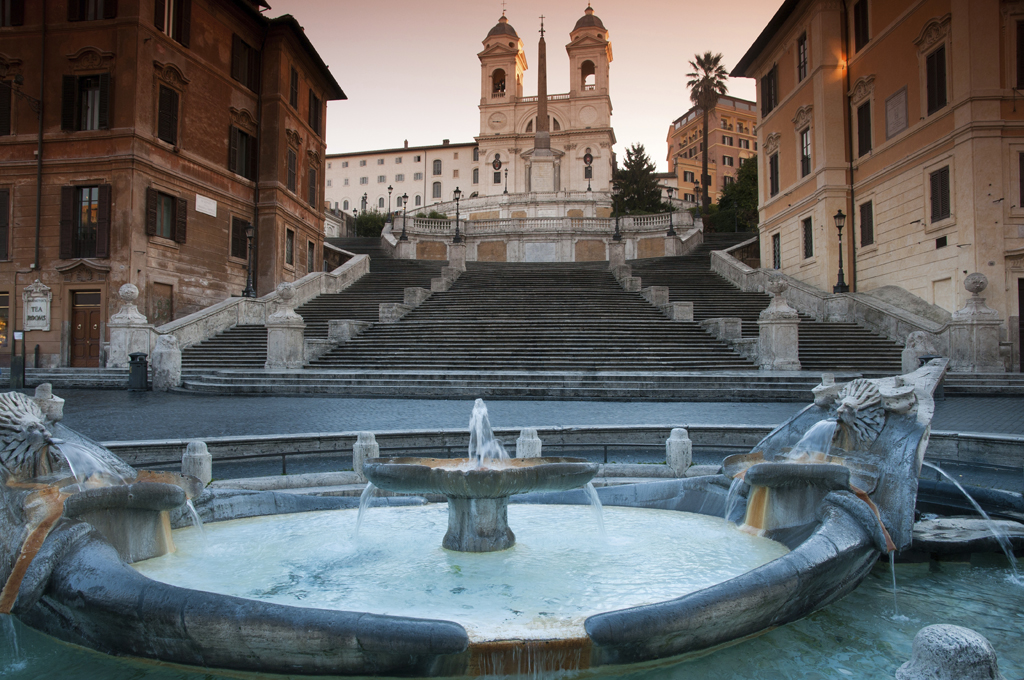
{"x": 85, "y": 329}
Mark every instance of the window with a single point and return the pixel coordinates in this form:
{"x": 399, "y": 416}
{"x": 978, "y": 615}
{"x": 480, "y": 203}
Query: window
{"x": 6, "y": 95}
{"x": 85, "y": 102}
{"x": 455, "y": 173}
{"x": 1020, "y": 173}
{"x": 12, "y": 13}
{"x": 1020, "y": 55}
{"x": 293, "y": 89}
{"x": 727, "y": 180}
{"x": 497, "y": 178}
{"x": 344, "y": 205}
{"x": 688, "y": 176}
{"x": 744, "y": 144}
{"x": 380, "y": 161}
{"x": 808, "y": 233}
{"x": 941, "y": 242}
{"x": 588, "y": 172}
{"x": 476, "y": 153}
{"x": 863, "y": 129}
{"x": 769, "y": 91}
{"x": 312, "y": 187}
{"x": 362, "y": 163}
{"x": 399, "y": 178}
{"x": 85, "y": 221}
{"x": 456, "y": 156}
{"x": 476, "y": 175}
{"x": 776, "y": 251}
{"x": 398, "y": 160}
{"x": 437, "y": 167}
{"x": 329, "y": 182}
{"x": 867, "y": 224}
{"x": 381, "y": 179}
{"x": 5, "y": 222}
{"x": 5, "y": 310}
{"x": 364, "y": 180}
{"x": 289, "y": 247}
{"x": 728, "y": 160}
{"x": 239, "y": 243}
{"x": 940, "y": 194}
{"x": 242, "y": 153}
{"x": 344, "y": 164}
{"x": 91, "y": 10}
{"x": 690, "y": 197}
{"x": 805, "y": 152}
{"x": 860, "y": 24}
{"x": 380, "y": 202}
{"x": 773, "y": 174}
{"x": 310, "y": 255}
{"x": 727, "y": 140}
{"x": 801, "y": 57}
{"x": 245, "y": 63}
{"x": 935, "y": 65}
{"x": 436, "y": 190}
{"x": 345, "y": 181}
{"x": 316, "y": 114}
{"x": 174, "y": 18}
{"x": 416, "y": 159}
{"x": 167, "y": 118}
{"x": 417, "y": 176}
{"x": 166, "y": 215}
{"x": 419, "y": 201}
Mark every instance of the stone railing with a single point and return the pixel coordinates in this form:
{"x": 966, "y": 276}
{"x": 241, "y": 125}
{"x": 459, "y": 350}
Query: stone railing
{"x": 234, "y": 311}
{"x": 549, "y": 225}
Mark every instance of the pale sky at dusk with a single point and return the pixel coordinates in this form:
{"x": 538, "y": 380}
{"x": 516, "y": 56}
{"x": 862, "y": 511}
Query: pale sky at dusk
{"x": 410, "y": 68}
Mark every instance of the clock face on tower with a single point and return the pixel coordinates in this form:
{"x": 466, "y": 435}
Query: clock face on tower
{"x": 497, "y": 121}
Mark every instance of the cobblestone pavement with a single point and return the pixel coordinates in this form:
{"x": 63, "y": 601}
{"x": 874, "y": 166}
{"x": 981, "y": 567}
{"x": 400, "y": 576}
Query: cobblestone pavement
{"x": 114, "y": 415}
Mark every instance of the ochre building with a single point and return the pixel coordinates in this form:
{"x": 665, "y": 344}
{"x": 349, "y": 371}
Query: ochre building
{"x": 168, "y": 126}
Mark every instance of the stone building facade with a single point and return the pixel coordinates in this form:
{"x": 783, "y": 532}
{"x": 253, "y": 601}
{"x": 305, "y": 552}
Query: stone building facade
{"x": 167, "y": 127}
{"x": 732, "y": 139}
{"x": 905, "y": 116}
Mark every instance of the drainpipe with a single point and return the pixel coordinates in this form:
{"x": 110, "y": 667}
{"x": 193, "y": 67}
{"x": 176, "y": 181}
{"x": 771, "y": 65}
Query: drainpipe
{"x": 39, "y": 147}
{"x": 259, "y": 145}
{"x": 849, "y": 147}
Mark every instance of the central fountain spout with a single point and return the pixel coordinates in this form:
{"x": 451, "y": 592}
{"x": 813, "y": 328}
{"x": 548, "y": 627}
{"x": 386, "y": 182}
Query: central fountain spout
{"x": 478, "y": 487}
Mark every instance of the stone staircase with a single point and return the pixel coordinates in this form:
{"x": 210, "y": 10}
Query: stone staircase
{"x": 535, "y": 317}
{"x": 823, "y": 346}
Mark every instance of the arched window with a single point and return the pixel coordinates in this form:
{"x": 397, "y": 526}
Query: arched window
{"x": 555, "y": 125}
{"x": 589, "y": 76}
{"x": 476, "y": 153}
{"x": 344, "y": 206}
{"x": 380, "y": 202}
{"x": 419, "y": 201}
{"x": 529, "y": 126}
{"x": 436, "y": 193}
{"x": 498, "y": 83}
{"x": 476, "y": 175}
{"x": 437, "y": 167}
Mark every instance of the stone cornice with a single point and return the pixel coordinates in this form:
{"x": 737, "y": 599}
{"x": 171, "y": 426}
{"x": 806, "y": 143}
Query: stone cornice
{"x": 771, "y": 143}
{"x": 803, "y": 117}
{"x": 91, "y": 59}
{"x": 862, "y": 89}
{"x": 934, "y": 30}
{"x": 243, "y": 120}
{"x": 171, "y": 74}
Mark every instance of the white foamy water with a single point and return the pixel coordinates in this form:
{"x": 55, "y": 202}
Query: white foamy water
{"x": 559, "y": 572}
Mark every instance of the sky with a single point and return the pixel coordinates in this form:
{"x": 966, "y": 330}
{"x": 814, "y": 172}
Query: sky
{"x": 410, "y": 69}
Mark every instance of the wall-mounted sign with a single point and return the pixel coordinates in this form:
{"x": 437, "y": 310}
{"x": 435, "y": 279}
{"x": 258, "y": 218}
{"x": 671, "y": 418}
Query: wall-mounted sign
{"x": 205, "y": 205}
{"x": 37, "y": 298}
{"x": 497, "y": 162}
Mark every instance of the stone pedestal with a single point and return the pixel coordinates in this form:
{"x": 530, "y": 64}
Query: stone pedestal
{"x": 631, "y": 284}
{"x": 679, "y": 311}
{"x": 679, "y": 451}
{"x": 364, "y": 449}
{"x": 478, "y": 525}
{"x": 166, "y": 363}
{"x": 415, "y": 296}
{"x": 197, "y": 462}
{"x": 616, "y": 254}
{"x": 405, "y": 250}
{"x": 919, "y": 344}
{"x": 656, "y": 295}
{"x": 778, "y": 346}
{"x": 129, "y": 329}
{"x": 529, "y": 444}
{"x": 724, "y": 327}
{"x": 673, "y": 246}
{"x": 457, "y": 256}
{"x": 621, "y": 271}
{"x": 974, "y": 333}
{"x": 390, "y": 312}
{"x": 285, "y": 333}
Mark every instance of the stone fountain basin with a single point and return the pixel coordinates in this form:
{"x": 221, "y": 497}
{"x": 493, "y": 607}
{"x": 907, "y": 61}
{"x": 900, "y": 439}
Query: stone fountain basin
{"x": 459, "y": 478}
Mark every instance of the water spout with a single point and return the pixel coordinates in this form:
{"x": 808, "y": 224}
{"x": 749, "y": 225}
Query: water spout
{"x": 89, "y": 470}
{"x": 364, "y": 502}
{"x": 483, "y": 447}
{"x": 596, "y": 508}
{"x": 10, "y": 652}
{"x": 816, "y": 443}
{"x": 733, "y": 499}
{"x": 196, "y": 520}
{"x": 1004, "y": 542}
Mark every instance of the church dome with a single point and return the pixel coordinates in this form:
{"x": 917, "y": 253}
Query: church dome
{"x": 588, "y": 20}
{"x": 503, "y": 28}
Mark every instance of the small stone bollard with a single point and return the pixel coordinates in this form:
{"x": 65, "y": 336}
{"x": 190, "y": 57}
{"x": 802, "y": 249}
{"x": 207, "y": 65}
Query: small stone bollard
{"x": 528, "y": 445}
{"x": 166, "y": 364}
{"x": 945, "y": 652}
{"x": 679, "y": 451}
{"x": 197, "y": 462}
{"x": 51, "y": 406}
{"x": 363, "y": 450}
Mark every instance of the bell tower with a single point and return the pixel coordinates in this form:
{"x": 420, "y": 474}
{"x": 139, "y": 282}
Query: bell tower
{"x": 502, "y": 63}
{"x": 590, "y": 52}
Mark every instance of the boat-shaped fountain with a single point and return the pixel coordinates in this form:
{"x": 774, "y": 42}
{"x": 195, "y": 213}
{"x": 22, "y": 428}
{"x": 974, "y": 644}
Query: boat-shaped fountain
{"x": 824, "y": 495}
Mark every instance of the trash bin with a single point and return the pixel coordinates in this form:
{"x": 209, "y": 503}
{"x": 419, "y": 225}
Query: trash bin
{"x": 138, "y": 372}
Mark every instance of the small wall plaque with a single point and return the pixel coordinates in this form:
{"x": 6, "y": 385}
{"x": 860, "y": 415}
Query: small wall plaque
{"x": 37, "y": 298}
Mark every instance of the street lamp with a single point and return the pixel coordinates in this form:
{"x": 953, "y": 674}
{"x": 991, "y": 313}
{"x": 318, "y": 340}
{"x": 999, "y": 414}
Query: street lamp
{"x": 457, "y": 194}
{"x": 389, "y": 202}
{"x": 405, "y": 207}
{"x": 249, "y": 290}
{"x": 840, "y": 286}
{"x": 617, "y": 236}
{"x": 671, "y": 222}
{"x": 506, "y": 180}
{"x": 697, "y": 198}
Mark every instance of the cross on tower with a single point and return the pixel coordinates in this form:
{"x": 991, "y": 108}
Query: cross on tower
{"x": 503, "y": 3}
{"x": 542, "y": 25}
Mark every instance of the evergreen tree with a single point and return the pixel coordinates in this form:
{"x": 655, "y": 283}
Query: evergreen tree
{"x": 369, "y": 224}
{"x": 637, "y": 187}
{"x": 737, "y": 206}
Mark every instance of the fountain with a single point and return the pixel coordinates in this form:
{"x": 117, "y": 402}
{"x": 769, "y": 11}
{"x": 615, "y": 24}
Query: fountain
{"x": 820, "y": 504}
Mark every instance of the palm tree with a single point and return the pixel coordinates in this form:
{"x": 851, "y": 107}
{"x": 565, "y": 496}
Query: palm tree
{"x": 707, "y": 84}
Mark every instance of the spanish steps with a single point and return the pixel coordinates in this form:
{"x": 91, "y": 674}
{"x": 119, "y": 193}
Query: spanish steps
{"x": 537, "y": 330}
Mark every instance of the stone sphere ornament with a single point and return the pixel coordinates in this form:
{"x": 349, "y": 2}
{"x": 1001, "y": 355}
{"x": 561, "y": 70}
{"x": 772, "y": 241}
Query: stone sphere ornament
{"x": 129, "y": 292}
{"x": 776, "y": 285}
{"x": 286, "y": 291}
{"x": 975, "y": 283}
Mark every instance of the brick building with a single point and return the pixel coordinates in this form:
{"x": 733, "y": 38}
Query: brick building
{"x": 167, "y": 127}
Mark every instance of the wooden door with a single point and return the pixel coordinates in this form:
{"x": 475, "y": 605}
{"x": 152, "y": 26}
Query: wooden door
{"x": 85, "y": 329}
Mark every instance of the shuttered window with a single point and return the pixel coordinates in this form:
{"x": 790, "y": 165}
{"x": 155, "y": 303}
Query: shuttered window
{"x": 940, "y": 194}
{"x": 1020, "y": 55}
{"x": 166, "y": 216}
{"x": 315, "y": 113}
{"x": 12, "y": 12}
{"x": 174, "y": 18}
{"x": 245, "y": 63}
{"x": 91, "y": 10}
{"x": 769, "y": 91}
{"x": 5, "y": 108}
{"x": 861, "y": 34}
{"x": 773, "y": 174}
{"x": 242, "y": 153}
{"x": 85, "y": 221}
{"x": 5, "y": 223}
{"x": 289, "y": 247}
{"x": 936, "y": 75}
{"x": 863, "y": 129}
{"x": 807, "y": 226}
{"x": 776, "y": 251}
{"x": 292, "y": 172}
{"x": 293, "y": 92}
{"x": 867, "y": 224}
{"x": 312, "y": 187}
{"x": 310, "y": 256}
{"x": 239, "y": 245}
{"x": 85, "y": 102}
{"x": 167, "y": 119}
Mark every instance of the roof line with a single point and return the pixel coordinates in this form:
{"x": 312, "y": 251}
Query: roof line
{"x": 754, "y": 51}
{"x": 400, "y": 148}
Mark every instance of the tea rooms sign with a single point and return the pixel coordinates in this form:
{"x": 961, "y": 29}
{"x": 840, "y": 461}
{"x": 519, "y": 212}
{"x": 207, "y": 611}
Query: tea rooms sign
{"x": 37, "y": 298}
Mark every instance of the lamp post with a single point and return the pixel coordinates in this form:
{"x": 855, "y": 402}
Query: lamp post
{"x": 390, "y": 189}
{"x": 671, "y": 222}
{"x": 840, "y": 286}
{"x": 405, "y": 207}
{"x": 457, "y": 194}
{"x": 506, "y": 180}
{"x": 249, "y": 290}
{"x": 696, "y": 193}
{"x": 617, "y": 236}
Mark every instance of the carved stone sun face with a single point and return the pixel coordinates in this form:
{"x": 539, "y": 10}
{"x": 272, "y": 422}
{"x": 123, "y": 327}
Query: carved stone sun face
{"x": 25, "y": 440}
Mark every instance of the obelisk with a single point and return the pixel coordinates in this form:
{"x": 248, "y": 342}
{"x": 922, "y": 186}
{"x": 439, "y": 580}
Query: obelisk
{"x": 543, "y": 171}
